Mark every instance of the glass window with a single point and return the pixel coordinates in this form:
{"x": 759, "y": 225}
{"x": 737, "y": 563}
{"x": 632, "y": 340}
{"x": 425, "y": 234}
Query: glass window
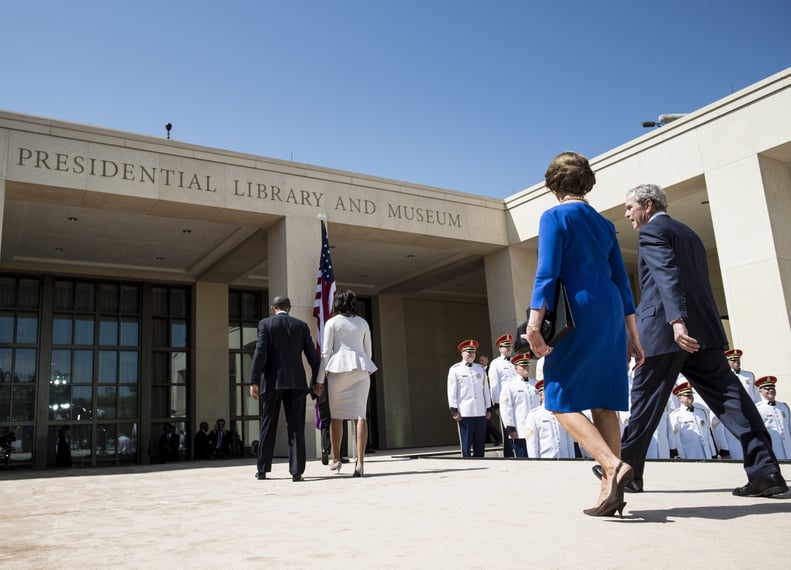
{"x": 6, "y": 355}
{"x": 129, "y": 332}
{"x": 128, "y": 368}
{"x": 130, "y": 299}
{"x": 249, "y": 337}
{"x": 250, "y": 307}
{"x": 81, "y": 443}
{"x": 25, "y": 365}
{"x": 159, "y": 302}
{"x": 8, "y": 292}
{"x": 23, "y": 403}
{"x": 85, "y": 298}
{"x": 28, "y": 294}
{"x": 178, "y": 372}
{"x": 108, "y": 367}
{"x": 83, "y": 367}
{"x": 5, "y": 402}
{"x": 83, "y": 330}
{"x": 159, "y": 402}
{"x": 108, "y": 298}
{"x": 178, "y": 402}
{"x": 234, "y": 337}
{"x": 105, "y": 439}
{"x": 108, "y": 332}
{"x": 60, "y": 403}
{"x": 127, "y": 401}
{"x": 7, "y": 326}
{"x": 105, "y": 402}
{"x": 60, "y": 367}
{"x": 178, "y": 302}
{"x": 27, "y": 328}
{"x": 160, "y": 367}
{"x": 251, "y": 406}
{"x": 64, "y": 296}
{"x": 159, "y": 332}
{"x": 178, "y": 334}
{"x": 61, "y": 330}
{"x": 82, "y": 402}
{"x": 234, "y": 305}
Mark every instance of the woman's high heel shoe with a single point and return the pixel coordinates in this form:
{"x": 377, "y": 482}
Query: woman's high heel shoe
{"x": 614, "y": 501}
{"x": 336, "y": 466}
{"x": 358, "y": 470}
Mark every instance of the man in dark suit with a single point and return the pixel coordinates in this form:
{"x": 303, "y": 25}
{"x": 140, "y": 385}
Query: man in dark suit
{"x": 681, "y": 331}
{"x": 278, "y": 377}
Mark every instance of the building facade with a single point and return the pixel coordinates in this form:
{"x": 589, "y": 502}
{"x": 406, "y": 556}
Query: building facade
{"x": 133, "y": 270}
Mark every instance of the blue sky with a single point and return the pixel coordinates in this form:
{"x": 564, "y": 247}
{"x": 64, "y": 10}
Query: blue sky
{"x": 474, "y": 96}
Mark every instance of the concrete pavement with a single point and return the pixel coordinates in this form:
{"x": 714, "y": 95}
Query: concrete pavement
{"x": 430, "y": 512}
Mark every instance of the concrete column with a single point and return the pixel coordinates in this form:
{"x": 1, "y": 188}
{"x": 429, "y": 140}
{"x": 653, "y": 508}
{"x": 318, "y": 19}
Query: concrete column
{"x": 211, "y": 353}
{"x": 393, "y": 374}
{"x": 750, "y": 206}
{"x": 510, "y": 273}
{"x": 294, "y": 246}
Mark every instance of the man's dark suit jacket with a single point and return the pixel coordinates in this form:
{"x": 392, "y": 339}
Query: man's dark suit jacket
{"x": 277, "y": 362}
{"x": 674, "y": 282}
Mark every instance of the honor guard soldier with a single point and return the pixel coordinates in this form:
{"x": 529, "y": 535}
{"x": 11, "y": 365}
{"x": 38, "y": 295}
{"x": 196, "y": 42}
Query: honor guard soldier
{"x": 691, "y": 433}
{"x": 776, "y": 416}
{"x": 517, "y": 398}
{"x": 469, "y": 399}
{"x": 501, "y": 370}
{"x": 546, "y": 439}
{"x": 747, "y": 378}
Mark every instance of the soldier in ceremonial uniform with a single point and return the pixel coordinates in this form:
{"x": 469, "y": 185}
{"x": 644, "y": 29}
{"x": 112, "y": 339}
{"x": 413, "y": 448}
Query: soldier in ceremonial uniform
{"x": 747, "y": 378}
{"x": 501, "y": 370}
{"x": 517, "y": 398}
{"x": 546, "y": 438}
{"x": 469, "y": 399}
{"x": 691, "y": 433}
{"x": 776, "y": 416}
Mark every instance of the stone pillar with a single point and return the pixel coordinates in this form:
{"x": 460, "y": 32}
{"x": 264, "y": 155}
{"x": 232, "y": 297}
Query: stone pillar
{"x": 510, "y": 273}
{"x": 294, "y": 245}
{"x": 393, "y": 374}
{"x": 750, "y": 206}
{"x": 211, "y": 354}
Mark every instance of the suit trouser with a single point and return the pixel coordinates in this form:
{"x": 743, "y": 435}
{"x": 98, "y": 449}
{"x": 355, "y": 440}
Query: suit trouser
{"x": 294, "y": 406}
{"x": 709, "y": 373}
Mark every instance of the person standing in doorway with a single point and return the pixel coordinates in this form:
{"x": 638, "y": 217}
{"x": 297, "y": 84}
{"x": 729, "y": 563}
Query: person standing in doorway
{"x": 278, "y": 378}
{"x": 346, "y": 365}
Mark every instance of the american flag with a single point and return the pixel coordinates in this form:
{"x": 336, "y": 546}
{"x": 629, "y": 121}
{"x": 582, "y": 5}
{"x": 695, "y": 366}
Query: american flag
{"x": 325, "y": 287}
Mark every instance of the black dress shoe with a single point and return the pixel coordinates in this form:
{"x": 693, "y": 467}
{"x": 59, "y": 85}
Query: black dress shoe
{"x": 296, "y": 478}
{"x": 773, "y": 484}
{"x": 260, "y": 475}
{"x": 325, "y": 458}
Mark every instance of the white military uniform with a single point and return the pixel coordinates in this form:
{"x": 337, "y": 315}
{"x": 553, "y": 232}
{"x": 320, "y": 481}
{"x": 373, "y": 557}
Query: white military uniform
{"x": 467, "y": 391}
{"x": 691, "y": 433}
{"x": 747, "y": 380}
{"x": 725, "y": 439}
{"x": 659, "y": 447}
{"x": 517, "y": 398}
{"x": 777, "y": 420}
{"x": 546, "y": 439}
{"x": 500, "y": 370}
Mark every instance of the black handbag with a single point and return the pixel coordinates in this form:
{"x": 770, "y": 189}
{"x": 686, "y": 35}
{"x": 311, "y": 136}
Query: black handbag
{"x": 560, "y": 322}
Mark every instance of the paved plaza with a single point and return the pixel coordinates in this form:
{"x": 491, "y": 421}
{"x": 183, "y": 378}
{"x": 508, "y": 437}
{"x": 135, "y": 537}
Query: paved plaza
{"x": 409, "y": 511}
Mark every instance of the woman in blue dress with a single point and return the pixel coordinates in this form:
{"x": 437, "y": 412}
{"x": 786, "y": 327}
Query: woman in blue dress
{"x": 587, "y": 370}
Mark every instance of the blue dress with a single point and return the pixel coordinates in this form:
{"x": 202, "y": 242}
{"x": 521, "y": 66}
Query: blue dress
{"x": 588, "y": 368}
